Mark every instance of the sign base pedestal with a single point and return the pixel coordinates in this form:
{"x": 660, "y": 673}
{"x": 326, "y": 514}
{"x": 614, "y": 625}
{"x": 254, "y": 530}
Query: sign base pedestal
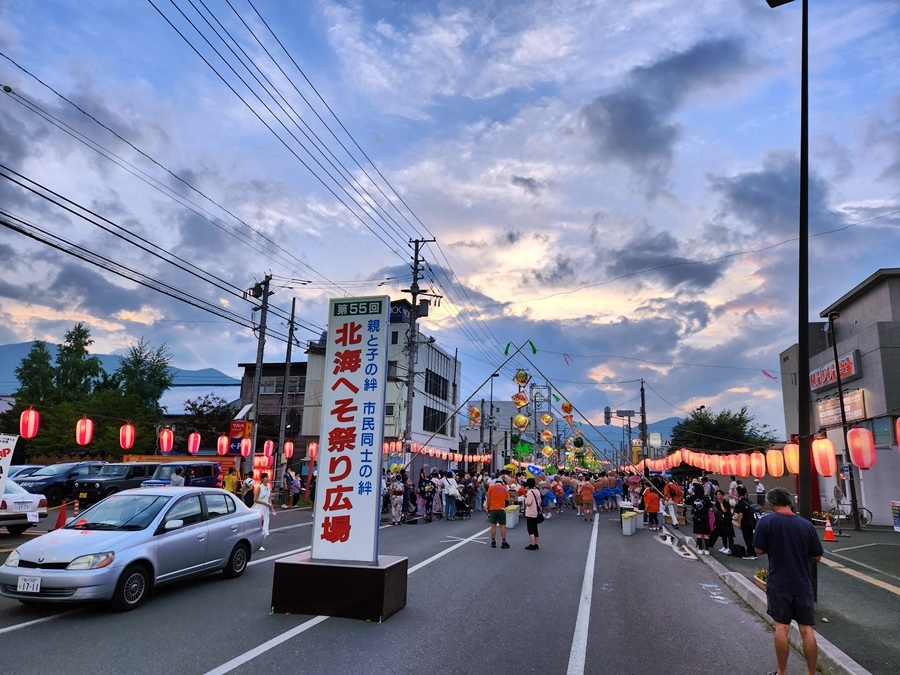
{"x": 350, "y": 590}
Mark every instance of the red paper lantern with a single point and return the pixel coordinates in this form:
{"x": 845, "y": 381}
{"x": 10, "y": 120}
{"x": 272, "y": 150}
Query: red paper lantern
{"x": 29, "y": 422}
{"x": 126, "y": 436}
{"x": 269, "y": 448}
{"x": 385, "y": 448}
{"x": 193, "y": 442}
{"x": 223, "y": 444}
{"x": 246, "y": 447}
{"x": 824, "y": 457}
{"x": 288, "y": 449}
{"x": 775, "y": 462}
{"x": 792, "y": 456}
{"x": 742, "y": 467}
{"x": 415, "y": 447}
{"x": 166, "y": 440}
{"x": 758, "y": 464}
{"x": 312, "y": 450}
{"x": 862, "y": 447}
{"x": 84, "y": 431}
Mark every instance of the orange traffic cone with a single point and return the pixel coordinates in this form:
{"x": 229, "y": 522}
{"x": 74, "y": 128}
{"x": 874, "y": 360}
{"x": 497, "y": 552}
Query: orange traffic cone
{"x": 61, "y": 520}
{"x": 829, "y": 532}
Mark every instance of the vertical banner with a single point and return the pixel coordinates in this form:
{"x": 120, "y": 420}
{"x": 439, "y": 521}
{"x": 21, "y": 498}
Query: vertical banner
{"x": 348, "y": 487}
{"x": 7, "y": 445}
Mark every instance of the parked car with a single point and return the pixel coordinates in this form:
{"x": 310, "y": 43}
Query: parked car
{"x": 21, "y": 470}
{"x": 56, "y": 480}
{"x": 112, "y": 478}
{"x": 17, "y": 504}
{"x": 196, "y": 474}
{"x": 122, "y": 547}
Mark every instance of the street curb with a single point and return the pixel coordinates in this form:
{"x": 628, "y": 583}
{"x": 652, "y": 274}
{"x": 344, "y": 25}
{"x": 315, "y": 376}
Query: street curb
{"x": 832, "y": 660}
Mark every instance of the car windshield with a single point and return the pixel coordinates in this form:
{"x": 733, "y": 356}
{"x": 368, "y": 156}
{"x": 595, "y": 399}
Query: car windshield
{"x": 12, "y": 488}
{"x": 164, "y": 471}
{"x": 52, "y": 470}
{"x": 120, "y": 512}
{"x": 113, "y": 470}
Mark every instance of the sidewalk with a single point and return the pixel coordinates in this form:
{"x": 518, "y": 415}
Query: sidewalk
{"x": 832, "y": 659}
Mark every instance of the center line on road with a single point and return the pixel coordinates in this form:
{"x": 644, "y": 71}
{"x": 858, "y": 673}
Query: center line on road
{"x": 241, "y": 659}
{"x": 579, "y": 639}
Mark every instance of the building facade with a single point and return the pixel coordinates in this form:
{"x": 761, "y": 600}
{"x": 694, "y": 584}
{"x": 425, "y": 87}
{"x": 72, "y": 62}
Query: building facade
{"x": 866, "y": 324}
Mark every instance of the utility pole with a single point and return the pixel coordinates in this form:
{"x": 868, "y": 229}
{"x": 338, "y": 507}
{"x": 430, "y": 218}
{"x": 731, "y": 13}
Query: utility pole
{"x": 643, "y": 423}
{"x": 260, "y": 290}
{"x": 412, "y": 339}
{"x": 284, "y": 389}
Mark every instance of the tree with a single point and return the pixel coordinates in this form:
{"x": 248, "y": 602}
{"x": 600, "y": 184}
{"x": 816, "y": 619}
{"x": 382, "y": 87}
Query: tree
{"x": 76, "y": 372}
{"x": 210, "y": 415}
{"x": 36, "y": 375}
{"x": 144, "y": 374}
{"x": 724, "y": 432}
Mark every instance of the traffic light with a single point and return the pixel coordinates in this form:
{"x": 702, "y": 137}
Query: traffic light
{"x": 607, "y": 415}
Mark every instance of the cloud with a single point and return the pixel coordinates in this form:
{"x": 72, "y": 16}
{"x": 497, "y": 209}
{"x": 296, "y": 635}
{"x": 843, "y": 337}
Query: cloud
{"x": 634, "y": 124}
{"x": 530, "y": 185}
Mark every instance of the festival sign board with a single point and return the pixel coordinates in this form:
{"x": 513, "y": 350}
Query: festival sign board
{"x": 348, "y": 494}
{"x": 7, "y": 445}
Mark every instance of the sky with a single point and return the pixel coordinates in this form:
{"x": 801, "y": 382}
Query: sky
{"x": 616, "y": 183}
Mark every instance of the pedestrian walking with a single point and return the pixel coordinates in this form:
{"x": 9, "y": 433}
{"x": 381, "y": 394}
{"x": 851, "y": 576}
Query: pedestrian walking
{"x": 792, "y": 545}
{"x": 651, "y": 506}
{"x": 177, "y": 480}
{"x": 497, "y": 494}
{"x": 287, "y": 486}
{"x": 760, "y": 492}
{"x": 249, "y": 490}
{"x": 262, "y": 502}
{"x": 426, "y": 490}
{"x": 532, "y": 511}
{"x": 724, "y": 523}
{"x": 673, "y": 494}
{"x": 231, "y": 482}
{"x": 701, "y": 510}
{"x": 397, "y": 490}
{"x": 746, "y": 519}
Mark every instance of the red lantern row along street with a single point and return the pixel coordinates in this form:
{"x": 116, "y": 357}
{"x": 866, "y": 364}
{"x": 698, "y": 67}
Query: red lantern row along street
{"x": 774, "y": 462}
{"x": 126, "y": 436}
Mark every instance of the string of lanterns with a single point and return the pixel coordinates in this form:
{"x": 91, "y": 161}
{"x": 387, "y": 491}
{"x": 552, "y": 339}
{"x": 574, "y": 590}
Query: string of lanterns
{"x": 860, "y": 441}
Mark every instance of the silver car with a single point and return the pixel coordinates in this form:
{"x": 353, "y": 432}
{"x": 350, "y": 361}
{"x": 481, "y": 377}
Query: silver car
{"x": 19, "y": 509}
{"x": 123, "y": 546}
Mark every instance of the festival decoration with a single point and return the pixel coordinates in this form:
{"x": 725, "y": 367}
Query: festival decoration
{"x": 84, "y": 431}
{"x": 792, "y": 456}
{"x": 288, "y": 449}
{"x": 269, "y": 448}
{"x": 521, "y": 378}
{"x": 29, "y": 422}
{"x": 193, "y": 443}
{"x": 166, "y": 440}
{"x": 546, "y": 451}
{"x": 775, "y": 462}
{"x": 546, "y": 419}
{"x": 246, "y": 447}
{"x": 126, "y": 436}
{"x": 824, "y": 457}
{"x": 474, "y": 415}
{"x": 520, "y": 399}
{"x": 546, "y": 435}
{"x": 223, "y": 444}
{"x": 757, "y": 464}
{"x": 567, "y": 408}
{"x": 862, "y": 447}
{"x": 520, "y": 422}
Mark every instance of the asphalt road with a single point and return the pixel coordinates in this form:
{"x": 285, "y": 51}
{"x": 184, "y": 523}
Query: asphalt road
{"x": 590, "y": 601}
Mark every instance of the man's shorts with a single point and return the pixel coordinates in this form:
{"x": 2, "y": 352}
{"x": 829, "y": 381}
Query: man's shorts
{"x": 578, "y": 500}
{"x": 497, "y": 517}
{"x": 783, "y": 607}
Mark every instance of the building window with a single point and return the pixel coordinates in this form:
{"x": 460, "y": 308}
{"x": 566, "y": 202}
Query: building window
{"x": 436, "y": 385}
{"x": 275, "y": 385}
{"x": 388, "y": 409}
{"x": 394, "y": 337}
{"x": 392, "y": 370}
{"x": 434, "y": 420}
{"x": 882, "y": 430}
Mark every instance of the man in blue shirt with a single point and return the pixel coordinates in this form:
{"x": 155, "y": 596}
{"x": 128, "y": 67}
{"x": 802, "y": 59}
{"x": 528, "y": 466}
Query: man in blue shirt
{"x": 791, "y": 543}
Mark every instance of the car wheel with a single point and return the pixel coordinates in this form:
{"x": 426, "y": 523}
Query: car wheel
{"x": 17, "y": 529}
{"x": 237, "y": 561}
{"x": 54, "y": 496}
{"x": 132, "y": 589}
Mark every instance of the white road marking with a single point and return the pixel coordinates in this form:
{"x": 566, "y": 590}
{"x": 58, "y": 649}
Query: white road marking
{"x": 10, "y": 629}
{"x": 578, "y": 651}
{"x": 241, "y": 659}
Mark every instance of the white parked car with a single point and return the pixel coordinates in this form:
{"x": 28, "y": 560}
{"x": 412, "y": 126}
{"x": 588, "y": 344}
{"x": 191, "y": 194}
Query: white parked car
{"x": 16, "y": 505}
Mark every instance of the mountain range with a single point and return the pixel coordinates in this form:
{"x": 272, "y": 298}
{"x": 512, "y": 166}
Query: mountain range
{"x": 11, "y": 357}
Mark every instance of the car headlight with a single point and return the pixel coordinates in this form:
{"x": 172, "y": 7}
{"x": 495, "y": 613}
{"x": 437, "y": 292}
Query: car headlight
{"x": 96, "y": 485}
{"x": 92, "y": 561}
{"x": 13, "y": 559}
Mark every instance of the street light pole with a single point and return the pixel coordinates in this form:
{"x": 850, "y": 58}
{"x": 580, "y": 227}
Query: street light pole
{"x": 854, "y": 509}
{"x": 804, "y": 393}
{"x": 491, "y": 418}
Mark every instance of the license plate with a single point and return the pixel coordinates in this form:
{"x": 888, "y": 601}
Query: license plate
{"x": 29, "y": 585}
{"x": 82, "y": 495}
{"x": 21, "y": 506}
